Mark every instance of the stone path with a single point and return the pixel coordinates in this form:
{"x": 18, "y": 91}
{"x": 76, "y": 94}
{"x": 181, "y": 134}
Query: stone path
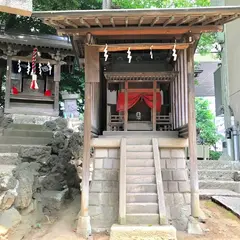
{"x": 231, "y": 203}
{"x": 208, "y": 193}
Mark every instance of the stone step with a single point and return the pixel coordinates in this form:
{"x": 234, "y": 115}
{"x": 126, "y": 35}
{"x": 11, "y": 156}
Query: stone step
{"x": 14, "y": 148}
{"x": 215, "y": 174}
{"x": 139, "y": 148}
{"x": 217, "y": 165}
{"x": 208, "y": 193}
{"x": 142, "y": 208}
{"x": 139, "y": 141}
{"x": 140, "y": 170}
{"x": 25, "y": 140}
{"x": 139, "y": 155}
{"x": 140, "y": 163}
{"x": 33, "y": 127}
{"x": 141, "y": 179}
{"x": 213, "y": 184}
{"x": 141, "y": 188}
{"x": 142, "y": 197}
{"x": 149, "y": 219}
{"x": 6, "y": 169}
{"x": 8, "y": 158}
{"x": 27, "y": 133}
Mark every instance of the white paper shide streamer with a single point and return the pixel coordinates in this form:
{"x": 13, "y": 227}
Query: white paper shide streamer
{"x": 19, "y": 66}
{"x": 28, "y": 68}
{"x": 40, "y": 69}
{"x": 49, "y": 68}
{"x": 129, "y": 56}
{"x": 174, "y": 52}
{"x": 106, "y": 53}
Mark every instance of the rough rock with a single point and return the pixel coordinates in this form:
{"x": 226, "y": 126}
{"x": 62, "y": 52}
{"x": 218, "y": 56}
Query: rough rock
{"x": 30, "y": 208}
{"x": 31, "y": 154}
{"x": 236, "y": 176}
{"x": 58, "y": 142}
{"x": 25, "y": 174}
{"x": 7, "y": 198}
{"x": 7, "y": 182}
{"x": 53, "y": 200}
{"x": 51, "y": 125}
{"x": 54, "y": 181}
{"x": 5, "y": 121}
{"x": 75, "y": 145}
{"x": 9, "y": 219}
{"x": 61, "y": 123}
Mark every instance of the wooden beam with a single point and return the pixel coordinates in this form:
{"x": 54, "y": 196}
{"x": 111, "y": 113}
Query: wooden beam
{"x": 141, "y": 46}
{"x": 195, "y": 205}
{"x": 83, "y": 22}
{"x": 98, "y": 22}
{"x": 197, "y": 20}
{"x": 168, "y": 21}
{"x": 183, "y": 20}
{"x": 154, "y": 114}
{"x": 70, "y": 23}
{"x": 227, "y": 19}
{"x": 141, "y": 30}
{"x": 140, "y": 21}
{"x": 126, "y": 106}
{"x": 112, "y": 21}
{"x": 56, "y": 24}
{"x": 126, "y": 21}
{"x": 8, "y": 81}
{"x": 156, "y": 19}
{"x": 57, "y": 77}
{"x": 38, "y": 60}
{"x": 212, "y": 19}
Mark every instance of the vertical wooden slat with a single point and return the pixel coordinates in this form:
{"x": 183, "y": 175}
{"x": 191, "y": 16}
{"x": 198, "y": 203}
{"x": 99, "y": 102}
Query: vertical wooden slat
{"x": 174, "y": 101}
{"x": 176, "y": 97}
{"x": 154, "y": 105}
{"x": 126, "y": 106}
{"x": 159, "y": 181}
{"x": 179, "y": 94}
{"x": 122, "y": 183}
{"x": 57, "y": 77}
{"x": 195, "y": 207}
{"x": 8, "y": 81}
{"x": 172, "y": 104}
{"x": 182, "y": 89}
{"x": 186, "y": 86}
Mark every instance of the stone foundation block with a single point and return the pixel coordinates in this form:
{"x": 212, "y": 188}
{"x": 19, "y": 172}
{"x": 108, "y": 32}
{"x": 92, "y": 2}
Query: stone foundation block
{"x": 172, "y": 186}
{"x": 180, "y": 175}
{"x": 178, "y": 153}
{"x": 171, "y": 163}
{"x": 165, "y": 153}
{"x": 98, "y": 163}
{"x": 184, "y": 187}
{"x": 169, "y": 199}
{"x": 163, "y": 163}
{"x": 167, "y": 175}
{"x": 187, "y": 198}
{"x": 94, "y": 199}
{"x": 108, "y": 163}
{"x": 105, "y": 175}
{"x": 114, "y": 153}
{"x": 178, "y": 199}
{"x": 101, "y": 153}
{"x": 116, "y": 164}
{"x": 165, "y": 186}
{"x": 96, "y": 186}
{"x": 181, "y": 163}
{"x": 126, "y": 232}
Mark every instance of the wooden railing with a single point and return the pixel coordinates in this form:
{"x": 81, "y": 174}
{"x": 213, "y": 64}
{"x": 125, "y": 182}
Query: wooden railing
{"x": 164, "y": 122}
{"x": 116, "y": 122}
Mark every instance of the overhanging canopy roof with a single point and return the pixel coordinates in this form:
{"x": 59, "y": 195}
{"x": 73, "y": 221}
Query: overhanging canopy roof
{"x": 145, "y": 21}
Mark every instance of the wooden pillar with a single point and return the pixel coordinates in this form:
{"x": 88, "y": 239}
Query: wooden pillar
{"x": 57, "y": 77}
{"x": 92, "y": 75}
{"x": 154, "y": 115}
{"x": 8, "y": 80}
{"x": 195, "y": 207}
{"x": 126, "y": 106}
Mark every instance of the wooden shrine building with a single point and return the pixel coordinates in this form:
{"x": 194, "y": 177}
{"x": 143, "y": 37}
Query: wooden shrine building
{"x": 17, "y": 51}
{"x": 139, "y": 102}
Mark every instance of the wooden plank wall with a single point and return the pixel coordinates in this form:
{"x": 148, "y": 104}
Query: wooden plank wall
{"x": 179, "y": 100}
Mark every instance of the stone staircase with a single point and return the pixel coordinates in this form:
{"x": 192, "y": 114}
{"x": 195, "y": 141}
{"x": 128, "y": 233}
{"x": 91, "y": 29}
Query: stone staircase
{"x": 142, "y": 198}
{"x": 218, "y": 175}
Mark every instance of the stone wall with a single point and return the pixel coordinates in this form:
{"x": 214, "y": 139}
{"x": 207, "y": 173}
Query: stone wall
{"x": 104, "y": 189}
{"x": 176, "y": 186}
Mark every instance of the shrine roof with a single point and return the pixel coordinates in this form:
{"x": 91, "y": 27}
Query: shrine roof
{"x": 43, "y": 41}
{"x": 170, "y": 20}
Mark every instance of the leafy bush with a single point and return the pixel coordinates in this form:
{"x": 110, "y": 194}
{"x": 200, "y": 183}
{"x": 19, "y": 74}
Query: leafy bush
{"x": 214, "y": 155}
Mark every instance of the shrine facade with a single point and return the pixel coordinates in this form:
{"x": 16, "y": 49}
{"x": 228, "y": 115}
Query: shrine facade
{"x": 52, "y": 55}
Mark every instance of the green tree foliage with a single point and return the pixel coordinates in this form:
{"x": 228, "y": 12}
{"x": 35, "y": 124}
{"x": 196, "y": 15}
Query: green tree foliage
{"x": 205, "y": 122}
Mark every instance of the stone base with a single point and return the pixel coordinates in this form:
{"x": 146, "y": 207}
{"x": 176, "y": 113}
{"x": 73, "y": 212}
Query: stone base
{"x": 84, "y": 227}
{"x": 142, "y": 232}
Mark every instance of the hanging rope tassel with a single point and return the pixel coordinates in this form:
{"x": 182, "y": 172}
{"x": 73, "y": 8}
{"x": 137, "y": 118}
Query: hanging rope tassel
{"x": 34, "y": 84}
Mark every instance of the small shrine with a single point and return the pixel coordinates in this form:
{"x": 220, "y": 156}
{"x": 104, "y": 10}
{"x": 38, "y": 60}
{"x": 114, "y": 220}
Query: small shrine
{"x": 34, "y": 65}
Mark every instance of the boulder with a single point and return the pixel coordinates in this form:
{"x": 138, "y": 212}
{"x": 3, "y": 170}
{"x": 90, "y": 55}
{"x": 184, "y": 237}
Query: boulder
{"x": 54, "y": 181}
{"x": 7, "y": 198}
{"x": 7, "y": 182}
{"x": 75, "y": 145}
{"x": 51, "y": 125}
{"x": 58, "y": 142}
{"x": 9, "y": 219}
{"x": 236, "y": 176}
{"x": 53, "y": 200}
{"x": 61, "y": 124}
{"x": 5, "y": 122}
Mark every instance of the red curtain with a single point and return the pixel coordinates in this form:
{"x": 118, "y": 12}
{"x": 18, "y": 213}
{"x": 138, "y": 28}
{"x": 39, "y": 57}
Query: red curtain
{"x": 133, "y": 98}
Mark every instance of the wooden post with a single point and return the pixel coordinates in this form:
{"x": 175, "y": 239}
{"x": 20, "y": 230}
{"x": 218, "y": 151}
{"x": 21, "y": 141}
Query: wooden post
{"x": 126, "y": 106}
{"x": 195, "y": 206}
{"x": 57, "y": 77}
{"x": 154, "y": 116}
{"x": 91, "y": 76}
{"x": 8, "y": 80}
